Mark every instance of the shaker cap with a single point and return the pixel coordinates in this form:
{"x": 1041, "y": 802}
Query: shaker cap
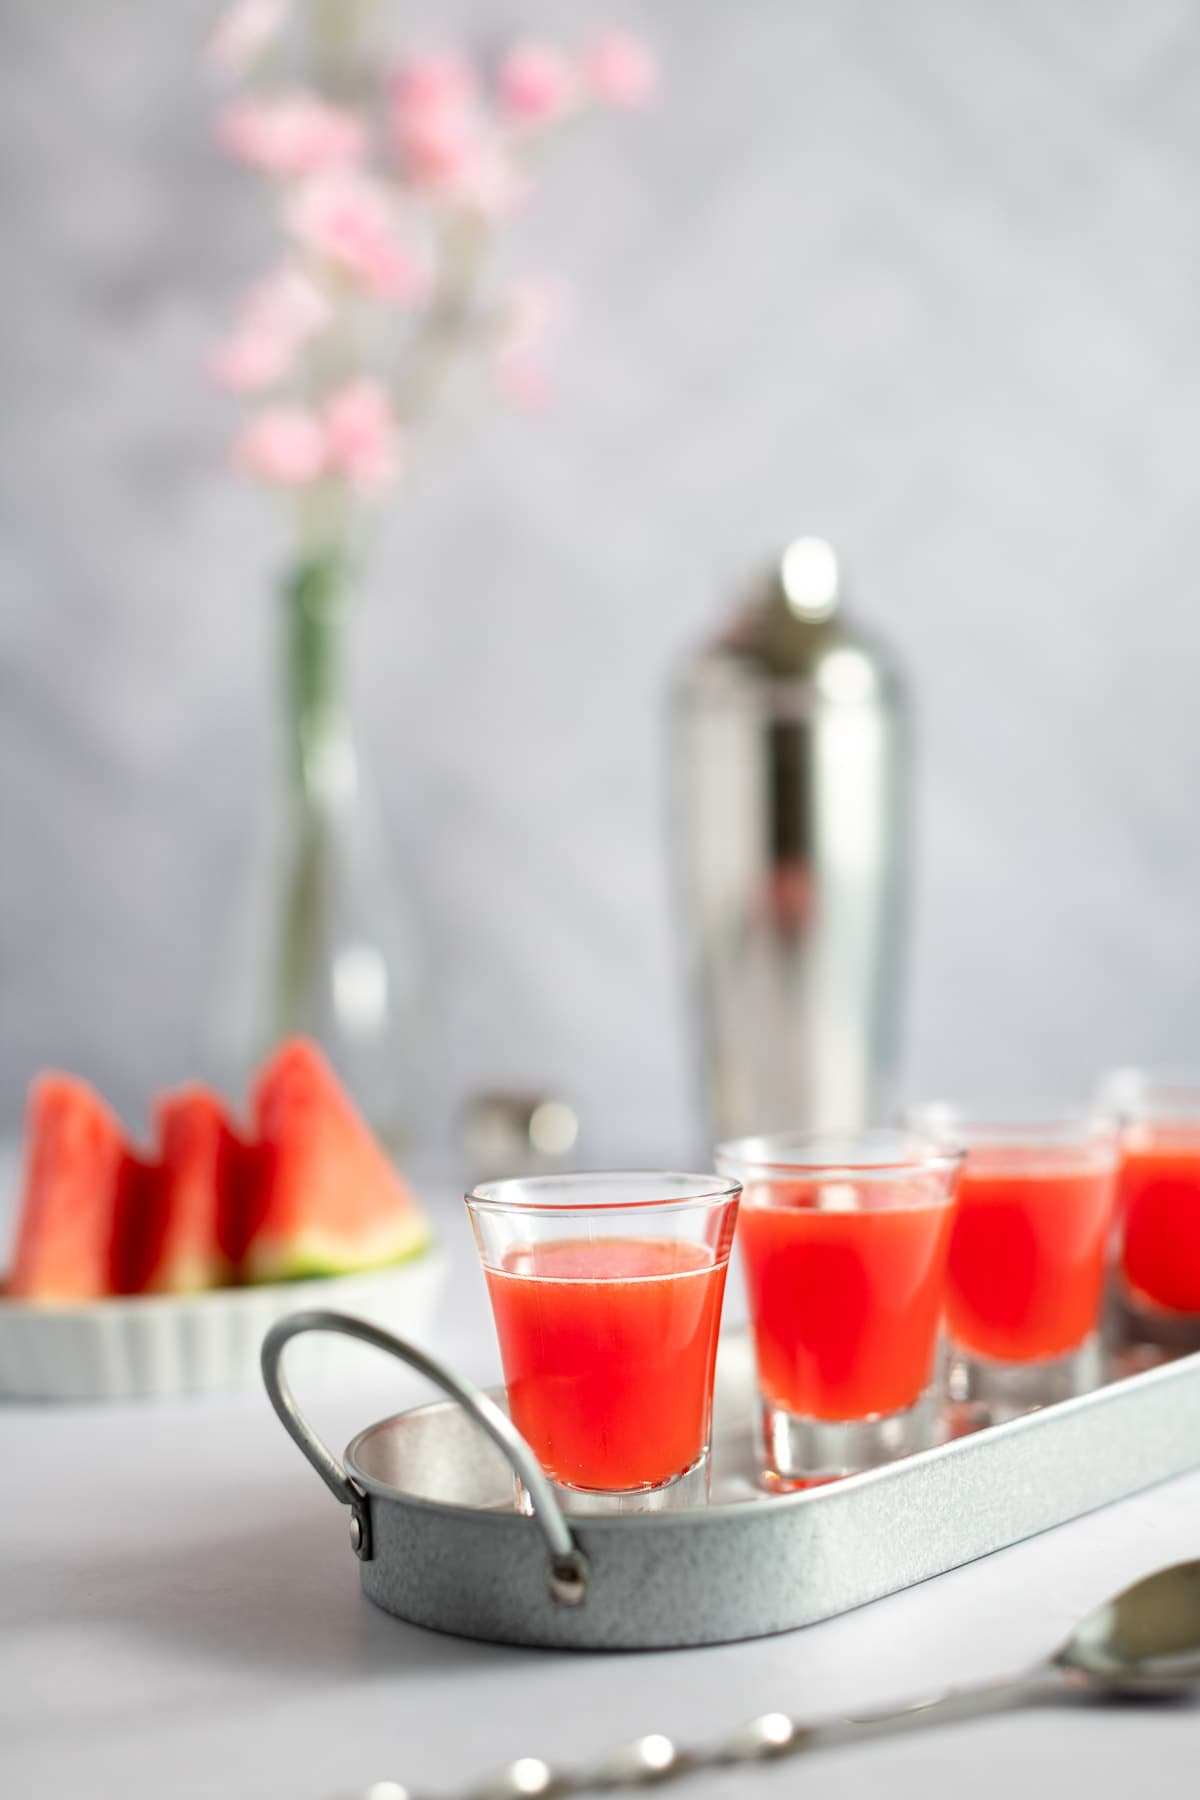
{"x": 810, "y": 579}
{"x": 792, "y": 628}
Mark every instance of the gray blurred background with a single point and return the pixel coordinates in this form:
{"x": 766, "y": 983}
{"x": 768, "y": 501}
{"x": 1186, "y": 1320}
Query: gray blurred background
{"x": 923, "y": 278}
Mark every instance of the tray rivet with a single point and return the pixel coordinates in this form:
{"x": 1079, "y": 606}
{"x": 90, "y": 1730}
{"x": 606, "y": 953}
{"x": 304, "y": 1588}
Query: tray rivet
{"x": 360, "y": 1535}
{"x": 569, "y": 1580}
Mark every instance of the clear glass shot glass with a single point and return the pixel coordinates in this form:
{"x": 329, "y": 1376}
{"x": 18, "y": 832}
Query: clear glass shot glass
{"x": 1158, "y": 1203}
{"x": 844, "y": 1242}
{"x": 1029, "y": 1250}
{"x": 606, "y": 1291}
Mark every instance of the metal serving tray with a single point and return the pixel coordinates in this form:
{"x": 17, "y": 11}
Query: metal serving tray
{"x": 440, "y": 1543}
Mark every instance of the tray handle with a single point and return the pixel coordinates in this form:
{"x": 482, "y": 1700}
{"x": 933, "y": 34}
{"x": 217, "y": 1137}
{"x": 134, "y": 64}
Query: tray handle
{"x": 569, "y": 1574}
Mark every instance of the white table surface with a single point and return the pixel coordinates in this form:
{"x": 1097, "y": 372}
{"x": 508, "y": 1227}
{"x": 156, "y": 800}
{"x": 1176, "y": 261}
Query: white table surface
{"x": 180, "y": 1616}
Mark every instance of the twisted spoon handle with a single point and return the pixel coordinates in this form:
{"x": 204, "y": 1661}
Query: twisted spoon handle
{"x": 654, "y": 1758}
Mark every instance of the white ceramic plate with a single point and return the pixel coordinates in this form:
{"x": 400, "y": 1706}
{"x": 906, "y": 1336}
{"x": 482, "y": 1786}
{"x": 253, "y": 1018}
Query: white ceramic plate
{"x": 159, "y": 1344}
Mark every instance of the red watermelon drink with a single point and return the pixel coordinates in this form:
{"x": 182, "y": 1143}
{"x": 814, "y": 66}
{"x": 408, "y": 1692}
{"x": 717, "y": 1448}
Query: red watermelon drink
{"x": 846, "y": 1303}
{"x": 1158, "y": 1203}
{"x": 637, "y": 1414}
{"x": 1028, "y": 1254}
{"x": 1160, "y": 1219}
{"x": 844, "y": 1243}
{"x": 606, "y": 1292}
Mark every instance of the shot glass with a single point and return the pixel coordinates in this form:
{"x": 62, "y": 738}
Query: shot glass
{"x": 844, "y": 1243}
{"x": 1158, "y": 1203}
{"x": 606, "y": 1291}
{"x": 1028, "y": 1254}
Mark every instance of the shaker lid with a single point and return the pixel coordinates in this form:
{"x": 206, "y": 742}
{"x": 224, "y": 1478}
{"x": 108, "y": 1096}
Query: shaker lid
{"x": 792, "y": 626}
{"x": 810, "y": 579}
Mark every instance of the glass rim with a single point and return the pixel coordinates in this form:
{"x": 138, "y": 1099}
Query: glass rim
{"x": 500, "y": 1196}
{"x": 1017, "y": 1122}
{"x": 783, "y": 1155}
{"x": 1152, "y": 1093}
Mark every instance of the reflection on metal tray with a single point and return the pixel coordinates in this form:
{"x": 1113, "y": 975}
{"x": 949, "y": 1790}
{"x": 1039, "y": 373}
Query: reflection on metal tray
{"x": 440, "y": 1543}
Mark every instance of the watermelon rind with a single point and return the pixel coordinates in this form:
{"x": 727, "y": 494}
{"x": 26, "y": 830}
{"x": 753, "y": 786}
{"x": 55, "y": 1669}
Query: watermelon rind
{"x": 322, "y": 1254}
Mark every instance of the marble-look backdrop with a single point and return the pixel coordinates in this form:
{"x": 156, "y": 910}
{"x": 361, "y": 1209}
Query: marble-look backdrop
{"x": 925, "y": 278}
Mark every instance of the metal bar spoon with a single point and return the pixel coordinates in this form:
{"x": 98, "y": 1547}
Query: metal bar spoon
{"x": 1143, "y": 1644}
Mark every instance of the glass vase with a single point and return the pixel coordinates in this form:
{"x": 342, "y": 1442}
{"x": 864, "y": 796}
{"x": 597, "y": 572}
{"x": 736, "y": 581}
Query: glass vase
{"x": 322, "y": 944}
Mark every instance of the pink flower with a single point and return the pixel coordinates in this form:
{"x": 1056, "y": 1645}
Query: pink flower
{"x": 362, "y": 442}
{"x": 434, "y": 81}
{"x": 435, "y": 145}
{"x": 445, "y": 144}
{"x": 295, "y": 134}
{"x": 349, "y": 219}
{"x": 283, "y": 446}
{"x": 536, "y": 83}
{"x": 524, "y": 380}
{"x": 246, "y": 364}
{"x": 534, "y": 314}
{"x": 535, "y": 311}
{"x": 456, "y": 158}
{"x": 435, "y": 118}
{"x": 354, "y": 438}
{"x": 242, "y": 33}
{"x": 619, "y": 69}
{"x": 287, "y": 304}
{"x": 277, "y": 317}
{"x": 487, "y": 181}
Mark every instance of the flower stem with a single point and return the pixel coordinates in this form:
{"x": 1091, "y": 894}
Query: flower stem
{"x": 335, "y": 28}
{"x": 446, "y": 327}
{"x": 315, "y": 599}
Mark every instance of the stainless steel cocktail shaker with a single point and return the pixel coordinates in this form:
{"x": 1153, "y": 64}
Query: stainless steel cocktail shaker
{"x": 791, "y": 790}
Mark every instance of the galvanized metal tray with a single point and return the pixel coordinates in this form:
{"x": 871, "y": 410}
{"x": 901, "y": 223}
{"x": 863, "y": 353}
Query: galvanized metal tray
{"x": 440, "y": 1543}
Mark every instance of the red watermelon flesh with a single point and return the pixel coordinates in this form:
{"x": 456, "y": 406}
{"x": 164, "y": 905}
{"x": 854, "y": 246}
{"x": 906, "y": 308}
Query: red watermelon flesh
{"x": 138, "y": 1223}
{"x": 327, "y": 1200}
{"x": 184, "y": 1251}
{"x": 237, "y": 1201}
{"x": 75, "y": 1152}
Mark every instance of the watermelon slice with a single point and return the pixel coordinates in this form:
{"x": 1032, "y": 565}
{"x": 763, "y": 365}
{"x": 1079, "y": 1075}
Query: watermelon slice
{"x": 75, "y": 1154}
{"x": 183, "y": 1223}
{"x": 237, "y": 1200}
{"x": 170, "y": 1215}
{"x": 326, "y": 1200}
{"x": 200, "y": 1164}
{"x": 137, "y": 1223}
